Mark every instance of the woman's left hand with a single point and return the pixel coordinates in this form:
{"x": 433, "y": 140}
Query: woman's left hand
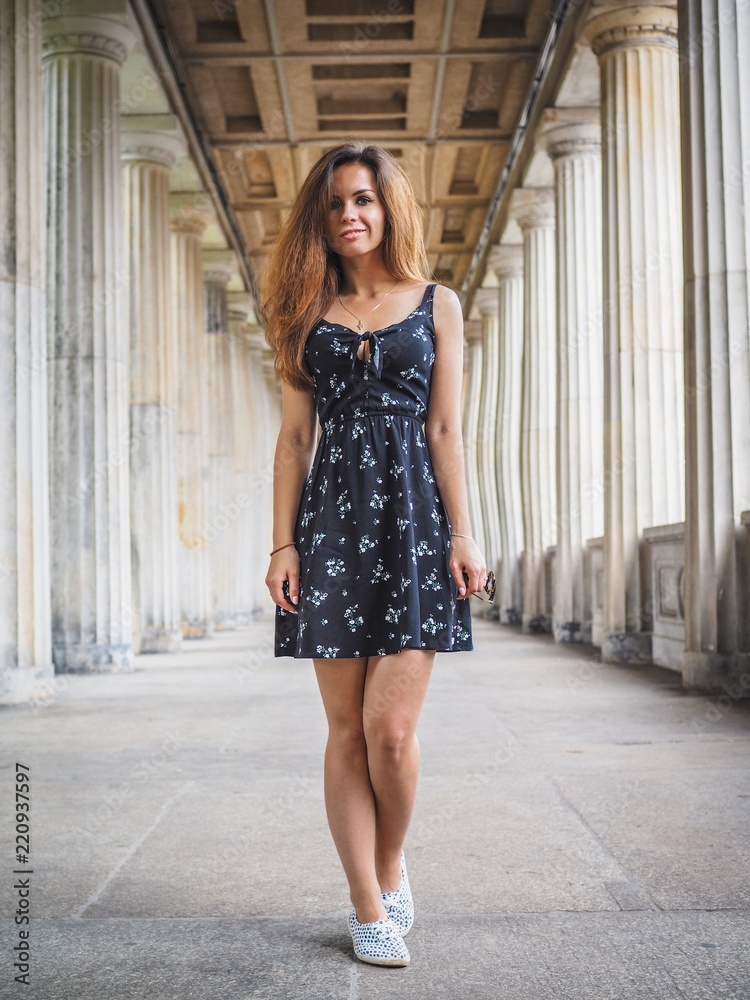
{"x": 467, "y": 565}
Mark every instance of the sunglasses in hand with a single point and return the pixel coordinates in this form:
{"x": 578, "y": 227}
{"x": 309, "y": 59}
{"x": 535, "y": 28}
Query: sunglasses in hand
{"x": 487, "y": 593}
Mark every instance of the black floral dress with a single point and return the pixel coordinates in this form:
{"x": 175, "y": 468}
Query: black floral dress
{"x": 371, "y": 530}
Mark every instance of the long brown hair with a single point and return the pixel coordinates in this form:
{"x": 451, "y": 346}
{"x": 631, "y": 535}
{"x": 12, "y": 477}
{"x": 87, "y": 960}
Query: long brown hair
{"x": 302, "y": 277}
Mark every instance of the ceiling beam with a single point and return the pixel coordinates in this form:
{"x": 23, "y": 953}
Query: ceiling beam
{"x": 324, "y": 58}
{"x": 273, "y": 33}
{"x": 166, "y": 61}
{"x": 554, "y": 61}
{"x": 445, "y": 41}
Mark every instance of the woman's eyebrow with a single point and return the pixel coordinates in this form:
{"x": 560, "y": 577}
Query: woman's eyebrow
{"x": 355, "y": 193}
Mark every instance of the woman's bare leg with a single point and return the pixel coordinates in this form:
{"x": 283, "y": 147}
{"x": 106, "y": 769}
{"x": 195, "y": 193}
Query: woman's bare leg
{"x": 395, "y": 689}
{"x": 349, "y": 798}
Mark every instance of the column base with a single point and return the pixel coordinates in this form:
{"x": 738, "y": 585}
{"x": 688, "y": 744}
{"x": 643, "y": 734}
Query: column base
{"x": 712, "y": 673}
{"x": 578, "y": 633}
{"x": 197, "y": 630}
{"x": 243, "y": 618}
{"x": 161, "y": 641}
{"x": 94, "y": 658}
{"x": 536, "y": 624}
{"x": 19, "y": 686}
{"x": 224, "y": 623}
{"x": 510, "y": 616}
{"x": 487, "y": 611}
{"x": 627, "y": 647}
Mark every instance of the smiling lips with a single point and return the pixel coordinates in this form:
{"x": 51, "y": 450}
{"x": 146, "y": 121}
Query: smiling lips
{"x": 351, "y": 234}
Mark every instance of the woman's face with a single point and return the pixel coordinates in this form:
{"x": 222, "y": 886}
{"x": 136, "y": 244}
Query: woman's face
{"x": 355, "y": 224}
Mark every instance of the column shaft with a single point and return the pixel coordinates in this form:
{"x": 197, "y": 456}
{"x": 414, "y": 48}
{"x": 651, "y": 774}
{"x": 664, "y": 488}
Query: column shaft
{"x": 715, "y": 94}
{"x": 471, "y": 429}
{"x": 643, "y": 337}
{"x": 25, "y": 630}
{"x": 534, "y": 210}
{"x": 87, "y": 343}
{"x": 153, "y": 390}
{"x": 487, "y": 301}
{"x": 222, "y": 525}
{"x": 576, "y": 152}
{"x": 244, "y": 419}
{"x": 265, "y": 432}
{"x": 189, "y": 216}
{"x": 507, "y": 262}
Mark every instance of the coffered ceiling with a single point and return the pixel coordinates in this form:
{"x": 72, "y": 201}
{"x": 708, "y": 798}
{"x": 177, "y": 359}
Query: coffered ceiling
{"x": 440, "y": 83}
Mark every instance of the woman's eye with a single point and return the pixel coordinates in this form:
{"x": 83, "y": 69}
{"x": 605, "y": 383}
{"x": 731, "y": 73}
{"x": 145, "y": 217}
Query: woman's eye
{"x": 361, "y": 200}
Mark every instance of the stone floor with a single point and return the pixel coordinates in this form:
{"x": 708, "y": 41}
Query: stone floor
{"x": 581, "y": 831}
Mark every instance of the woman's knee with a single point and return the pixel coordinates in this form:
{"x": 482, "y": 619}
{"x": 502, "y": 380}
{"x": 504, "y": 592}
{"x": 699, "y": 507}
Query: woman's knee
{"x": 348, "y": 735}
{"x": 389, "y": 738}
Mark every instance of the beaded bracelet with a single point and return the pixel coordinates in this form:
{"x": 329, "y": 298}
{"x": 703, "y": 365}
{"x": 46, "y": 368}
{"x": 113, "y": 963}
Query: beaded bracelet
{"x": 282, "y": 547}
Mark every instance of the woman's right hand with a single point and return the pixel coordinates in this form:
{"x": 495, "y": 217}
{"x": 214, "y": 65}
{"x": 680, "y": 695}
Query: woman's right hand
{"x": 283, "y": 568}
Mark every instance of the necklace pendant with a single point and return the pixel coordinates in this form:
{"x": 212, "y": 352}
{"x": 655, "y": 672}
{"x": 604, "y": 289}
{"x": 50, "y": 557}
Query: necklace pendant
{"x": 359, "y": 326}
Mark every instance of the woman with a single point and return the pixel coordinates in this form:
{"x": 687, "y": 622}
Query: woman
{"x": 373, "y": 560}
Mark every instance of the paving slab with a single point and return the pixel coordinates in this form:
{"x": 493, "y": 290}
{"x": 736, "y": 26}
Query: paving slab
{"x": 581, "y": 830}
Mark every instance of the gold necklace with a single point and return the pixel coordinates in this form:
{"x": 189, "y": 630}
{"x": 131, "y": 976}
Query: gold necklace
{"x": 360, "y": 326}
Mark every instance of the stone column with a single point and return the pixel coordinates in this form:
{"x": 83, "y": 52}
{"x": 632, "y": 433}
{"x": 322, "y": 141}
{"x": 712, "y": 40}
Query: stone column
{"x": 643, "y": 339}
{"x": 487, "y": 302}
{"x": 221, "y": 527}
{"x": 148, "y": 154}
{"x": 507, "y": 263}
{"x": 244, "y": 419}
{"x": 715, "y": 94}
{"x": 25, "y": 632}
{"x": 273, "y": 385}
{"x": 576, "y": 152}
{"x": 87, "y": 340}
{"x": 473, "y": 354}
{"x": 190, "y": 213}
{"x": 265, "y": 432}
{"x": 534, "y": 210}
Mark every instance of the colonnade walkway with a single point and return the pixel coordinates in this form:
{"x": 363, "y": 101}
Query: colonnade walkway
{"x": 581, "y": 831}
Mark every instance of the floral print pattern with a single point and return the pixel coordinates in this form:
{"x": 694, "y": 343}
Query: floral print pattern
{"x": 371, "y": 530}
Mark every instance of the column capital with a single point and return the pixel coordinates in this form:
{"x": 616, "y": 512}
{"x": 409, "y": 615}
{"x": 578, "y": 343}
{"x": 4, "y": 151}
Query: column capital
{"x": 553, "y": 116}
{"x": 269, "y": 366}
{"x": 240, "y": 308}
{"x": 631, "y": 24}
{"x": 573, "y": 139}
{"x": 256, "y": 336}
{"x": 190, "y": 211}
{"x": 506, "y": 260}
{"x": 219, "y": 265}
{"x": 107, "y": 35}
{"x": 152, "y": 138}
{"x": 473, "y": 330}
{"x": 487, "y": 301}
{"x": 533, "y": 208}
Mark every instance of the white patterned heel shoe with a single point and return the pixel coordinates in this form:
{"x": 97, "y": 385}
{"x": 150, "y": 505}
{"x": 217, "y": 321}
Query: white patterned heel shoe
{"x": 398, "y": 904}
{"x": 379, "y": 943}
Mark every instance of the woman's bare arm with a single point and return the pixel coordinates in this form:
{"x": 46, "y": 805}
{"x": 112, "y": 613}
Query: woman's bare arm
{"x": 295, "y": 448}
{"x": 445, "y": 439}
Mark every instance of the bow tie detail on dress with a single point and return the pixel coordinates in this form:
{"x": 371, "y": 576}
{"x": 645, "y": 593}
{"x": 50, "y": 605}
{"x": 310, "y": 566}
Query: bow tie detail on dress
{"x": 375, "y": 361}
